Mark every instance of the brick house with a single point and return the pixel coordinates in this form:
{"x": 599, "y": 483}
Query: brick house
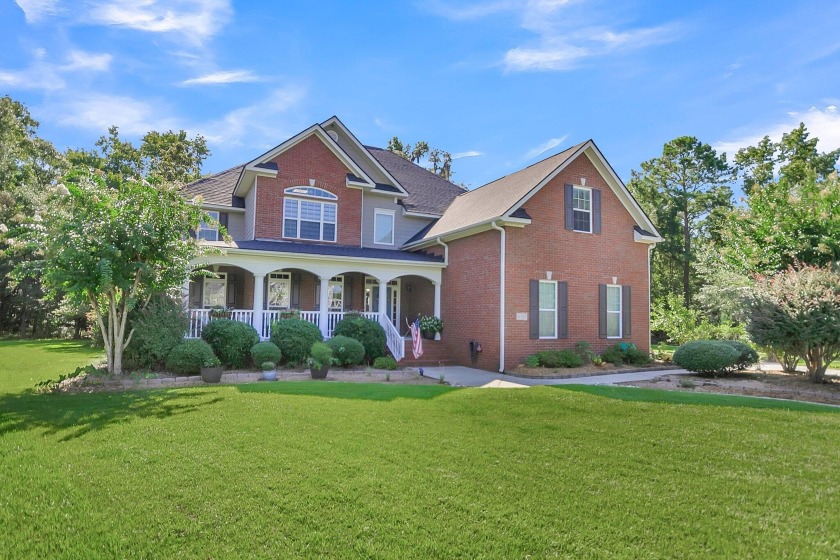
{"x": 542, "y": 258}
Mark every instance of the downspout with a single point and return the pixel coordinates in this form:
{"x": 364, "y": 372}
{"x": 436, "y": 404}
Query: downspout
{"x": 501, "y": 299}
{"x": 650, "y": 336}
{"x": 445, "y": 250}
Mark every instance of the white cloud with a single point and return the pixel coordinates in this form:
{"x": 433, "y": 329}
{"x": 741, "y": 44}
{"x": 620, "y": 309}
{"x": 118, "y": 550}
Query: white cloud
{"x": 97, "y": 112}
{"x": 821, "y": 123}
{"x": 80, "y": 60}
{"x": 222, "y": 77}
{"x": 36, "y": 10}
{"x": 468, "y": 11}
{"x": 471, "y": 153}
{"x": 48, "y": 76}
{"x": 544, "y": 147}
{"x": 197, "y": 20}
{"x": 560, "y": 57}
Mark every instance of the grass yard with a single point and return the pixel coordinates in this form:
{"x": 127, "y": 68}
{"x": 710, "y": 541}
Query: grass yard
{"x": 314, "y": 469}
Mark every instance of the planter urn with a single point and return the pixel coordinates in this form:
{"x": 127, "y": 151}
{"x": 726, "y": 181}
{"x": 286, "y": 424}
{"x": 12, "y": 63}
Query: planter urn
{"x": 319, "y": 373}
{"x": 211, "y": 374}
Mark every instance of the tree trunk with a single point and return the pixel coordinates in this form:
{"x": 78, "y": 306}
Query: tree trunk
{"x": 686, "y": 259}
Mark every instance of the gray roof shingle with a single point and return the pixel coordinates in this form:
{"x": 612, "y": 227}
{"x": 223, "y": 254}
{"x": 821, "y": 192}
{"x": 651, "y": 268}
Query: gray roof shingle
{"x": 217, "y": 188}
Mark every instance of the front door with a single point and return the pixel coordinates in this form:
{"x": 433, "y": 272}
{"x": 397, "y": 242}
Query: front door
{"x": 392, "y": 295}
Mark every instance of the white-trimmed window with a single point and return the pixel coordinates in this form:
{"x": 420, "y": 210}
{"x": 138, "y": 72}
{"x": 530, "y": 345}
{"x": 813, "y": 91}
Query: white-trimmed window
{"x": 335, "y": 297}
{"x": 279, "y": 290}
{"x": 582, "y": 209}
{"x": 383, "y": 226}
{"x": 314, "y": 220}
{"x": 215, "y": 291}
{"x": 209, "y": 231}
{"x": 548, "y": 309}
{"x": 614, "y": 311}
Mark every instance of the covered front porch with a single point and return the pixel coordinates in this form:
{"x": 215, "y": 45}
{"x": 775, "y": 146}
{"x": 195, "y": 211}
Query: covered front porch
{"x": 258, "y": 291}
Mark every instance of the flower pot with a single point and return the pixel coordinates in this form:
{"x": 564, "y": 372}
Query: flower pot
{"x": 270, "y": 375}
{"x": 429, "y": 335}
{"x": 319, "y": 373}
{"x": 211, "y": 374}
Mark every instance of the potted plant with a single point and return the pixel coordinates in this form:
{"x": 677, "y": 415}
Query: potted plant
{"x": 211, "y": 370}
{"x": 320, "y": 360}
{"x": 219, "y": 313}
{"x": 269, "y": 370}
{"x": 430, "y": 325}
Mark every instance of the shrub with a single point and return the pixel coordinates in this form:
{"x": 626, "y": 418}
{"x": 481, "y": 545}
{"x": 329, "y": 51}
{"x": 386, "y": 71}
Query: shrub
{"x": 268, "y": 366}
{"x": 367, "y": 331}
{"x": 707, "y": 357}
{"x": 625, "y": 353}
{"x": 584, "y": 350}
{"x": 532, "y": 360}
{"x": 636, "y": 357}
{"x": 430, "y": 323}
{"x": 385, "y": 362}
{"x": 294, "y": 338}
{"x": 559, "y": 358}
{"x": 231, "y": 340}
{"x": 320, "y": 355}
{"x": 613, "y": 355}
{"x": 158, "y": 328}
{"x": 188, "y": 357}
{"x": 262, "y": 352}
{"x": 747, "y": 356}
{"x": 346, "y": 351}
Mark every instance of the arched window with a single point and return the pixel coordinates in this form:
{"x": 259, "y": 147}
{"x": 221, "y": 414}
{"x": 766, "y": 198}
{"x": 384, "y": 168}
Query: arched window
{"x": 314, "y": 220}
{"x": 311, "y": 192}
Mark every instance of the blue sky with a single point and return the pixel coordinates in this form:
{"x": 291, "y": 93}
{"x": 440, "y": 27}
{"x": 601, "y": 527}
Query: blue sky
{"x": 500, "y": 83}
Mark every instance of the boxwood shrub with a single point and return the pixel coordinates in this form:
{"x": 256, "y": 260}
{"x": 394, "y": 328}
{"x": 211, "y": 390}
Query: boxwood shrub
{"x": 187, "y": 357}
{"x": 158, "y": 328}
{"x": 748, "y": 356}
{"x": 625, "y": 353}
{"x": 559, "y": 358}
{"x": 367, "y": 331}
{"x": 231, "y": 340}
{"x": 346, "y": 351}
{"x": 266, "y": 351}
{"x": 294, "y": 338}
{"x": 385, "y": 362}
{"x": 707, "y": 357}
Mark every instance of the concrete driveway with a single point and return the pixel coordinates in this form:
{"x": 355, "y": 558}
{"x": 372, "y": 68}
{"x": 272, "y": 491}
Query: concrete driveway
{"x": 470, "y": 377}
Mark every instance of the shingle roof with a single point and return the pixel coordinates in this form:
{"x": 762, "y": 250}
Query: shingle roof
{"x": 217, "y": 188}
{"x": 427, "y": 192}
{"x": 494, "y": 199}
{"x": 331, "y": 250}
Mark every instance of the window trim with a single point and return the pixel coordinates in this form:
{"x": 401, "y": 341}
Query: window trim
{"x": 620, "y": 311}
{"x": 322, "y": 194}
{"x": 540, "y": 309}
{"x": 385, "y": 212}
{"x": 321, "y": 221}
{"x": 589, "y": 212}
{"x": 204, "y": 226}
{"x": 279, "y": 276}
{"x": 221, "y": 276}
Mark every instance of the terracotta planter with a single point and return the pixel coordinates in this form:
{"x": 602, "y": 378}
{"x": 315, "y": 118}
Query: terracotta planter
{"x": 429, "y": 335}
{"x": 211, "y": 374}
{"x": 319, "y": 373}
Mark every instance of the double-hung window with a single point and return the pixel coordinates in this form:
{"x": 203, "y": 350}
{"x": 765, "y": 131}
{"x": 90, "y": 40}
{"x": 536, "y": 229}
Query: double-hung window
{"x": 614, "y": 305}
{"x": 215, "y": 291}
{"x": 279, "y": 290}
{"x": 582, "y": 209}
{"x": 309, "y": 218}
{"x": 209, "y": 231}
{"x": 548, "y": 309}
{"x": 383, "y": 227}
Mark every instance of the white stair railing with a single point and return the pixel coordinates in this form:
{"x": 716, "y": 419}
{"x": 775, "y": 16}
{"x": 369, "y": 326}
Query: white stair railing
{"x": 393, "y": 338}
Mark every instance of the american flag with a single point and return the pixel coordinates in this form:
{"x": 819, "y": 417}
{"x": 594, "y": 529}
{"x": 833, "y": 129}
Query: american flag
{"x": 416, "y": 339}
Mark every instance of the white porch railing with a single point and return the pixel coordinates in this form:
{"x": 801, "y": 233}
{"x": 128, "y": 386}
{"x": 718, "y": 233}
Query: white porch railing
{"x": 200, "y": 317}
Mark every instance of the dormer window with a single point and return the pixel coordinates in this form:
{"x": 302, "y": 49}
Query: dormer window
{"x": 383, "y": 226}
{"x": 314, "y": 220}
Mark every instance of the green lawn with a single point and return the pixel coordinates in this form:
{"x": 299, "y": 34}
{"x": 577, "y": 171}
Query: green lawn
{"x": 322, "y": 469}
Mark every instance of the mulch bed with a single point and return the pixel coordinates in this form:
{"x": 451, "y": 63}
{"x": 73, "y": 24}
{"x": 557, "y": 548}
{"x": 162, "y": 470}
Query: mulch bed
{"x": 583, "y": 371}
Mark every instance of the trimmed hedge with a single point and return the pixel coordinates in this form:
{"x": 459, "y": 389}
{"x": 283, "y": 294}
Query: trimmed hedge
{"x": 262, "y": 352}
{"x": 231, "y": 340}
{"x": 367, "y": 331}
{"x": 559, "y": 358}
{"x": 385, "y": 362}
{"x": 294, "y": 338}
{"x": 625, "y": 353}
{"x": 748, "y": 356}
{"x": 346, "y": 351}
{"x": 188, "y": 357}
{"x": 707, "y": 357}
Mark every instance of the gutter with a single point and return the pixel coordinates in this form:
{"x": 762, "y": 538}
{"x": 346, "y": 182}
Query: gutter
{"x": 445, "y": 250}
{"x": 501, "y": 298}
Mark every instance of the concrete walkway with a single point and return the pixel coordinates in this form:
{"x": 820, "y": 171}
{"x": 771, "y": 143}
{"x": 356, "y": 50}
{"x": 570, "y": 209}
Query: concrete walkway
{"x": 470, "y": 377}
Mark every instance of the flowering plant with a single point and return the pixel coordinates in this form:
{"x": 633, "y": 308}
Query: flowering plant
{"x": 430, "y": 323}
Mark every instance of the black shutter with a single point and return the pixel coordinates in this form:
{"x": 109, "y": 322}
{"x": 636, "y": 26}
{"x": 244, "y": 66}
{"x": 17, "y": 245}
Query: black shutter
{"x": 602, "y": 311}
{"x": 596, "y": 211}
{"x": 223, "y": 219}
{"x": 562, "y": 310}
{"x": 295, "y": 301}
{"x": 348, "y": 293}
{"x": 534, "y": 309}
{"x": 625, "y": 312}
{"x": 570, "y": 214}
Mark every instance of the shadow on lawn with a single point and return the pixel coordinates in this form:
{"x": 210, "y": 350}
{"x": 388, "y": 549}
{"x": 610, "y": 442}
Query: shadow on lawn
{"x": 80, "y": 414}
{"x": 338, "y": 390}
{"x": 52, "y": 345}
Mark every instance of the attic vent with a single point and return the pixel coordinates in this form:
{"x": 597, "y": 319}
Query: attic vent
{"x": 333, "y": 134}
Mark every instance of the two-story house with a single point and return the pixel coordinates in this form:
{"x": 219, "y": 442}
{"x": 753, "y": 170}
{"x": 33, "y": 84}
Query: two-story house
{"x": 552, "y": 254}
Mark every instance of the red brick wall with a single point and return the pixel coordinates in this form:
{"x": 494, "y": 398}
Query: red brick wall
{"x": 309, "y": 159}
{"x": 583, "y": 260}
{"x": 421, "y": 299}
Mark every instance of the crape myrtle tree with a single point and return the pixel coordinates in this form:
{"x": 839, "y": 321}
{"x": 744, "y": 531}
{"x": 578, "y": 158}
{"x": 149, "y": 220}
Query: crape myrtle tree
{"x": 113, "y": 248}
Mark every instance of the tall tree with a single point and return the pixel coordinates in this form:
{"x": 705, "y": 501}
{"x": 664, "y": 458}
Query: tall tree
{"x": 686, "y": 192}
{"x": 440, "y": 161}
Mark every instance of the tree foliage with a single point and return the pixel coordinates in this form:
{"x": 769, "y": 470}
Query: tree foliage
{"x": 798, "y": 311}
{"x": 439, "y": 161}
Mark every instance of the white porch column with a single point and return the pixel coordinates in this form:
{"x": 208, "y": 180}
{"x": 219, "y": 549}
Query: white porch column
{"x": 324, "y": 305}
{"x": 185, "y": 294}
{"x": 437, "y": 304}
{"x": 259, "y": 297}
{"x": 383, "y": 298}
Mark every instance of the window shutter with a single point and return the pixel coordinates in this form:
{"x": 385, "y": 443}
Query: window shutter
{"x": 602, "y": 311}
{"x": 534, "y": 309}
{"x": 348, "y": 292}
{"x": 295, "y": 300}
{"x": 570, "y": 214}
{"x": 562, "y": 310}
{"x": 625, "y": 312}
{"x": 223, "y": 219}
{"x": 596, "y": 210}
